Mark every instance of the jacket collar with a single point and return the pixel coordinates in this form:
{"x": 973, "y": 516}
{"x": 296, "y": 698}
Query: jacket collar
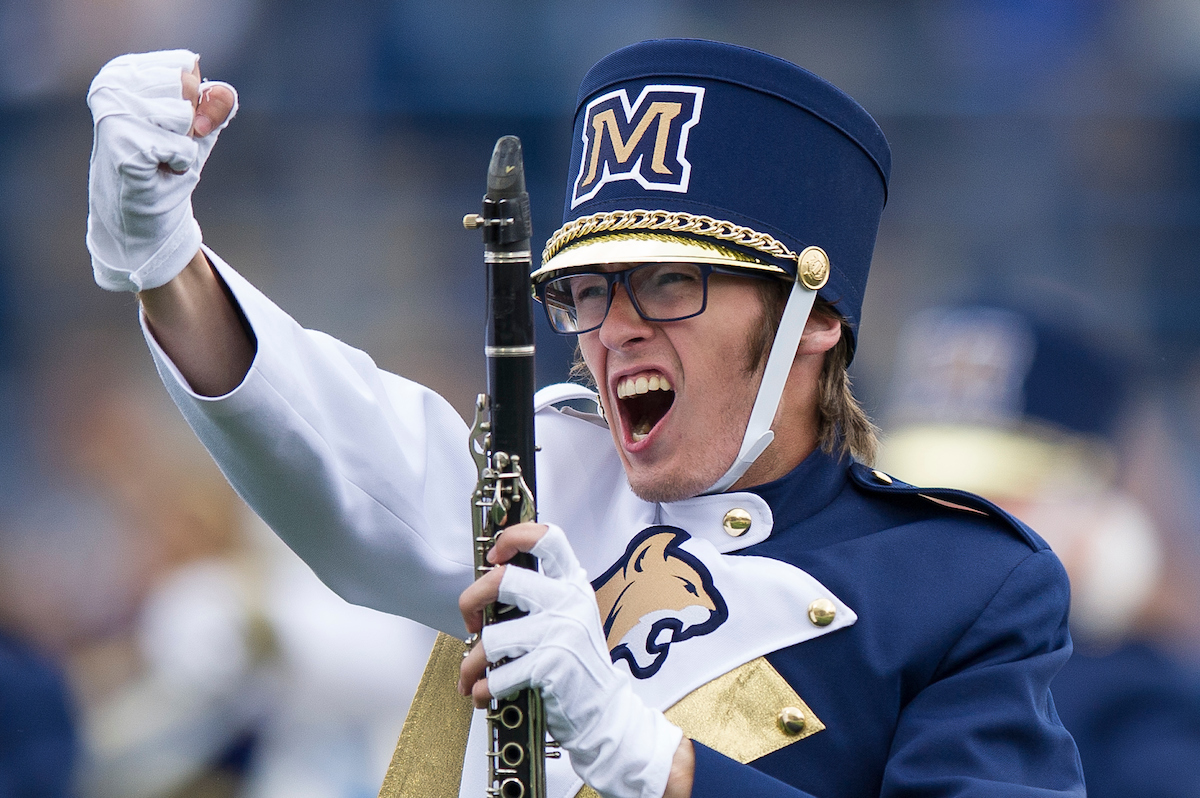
{"x": 809, "y": 488}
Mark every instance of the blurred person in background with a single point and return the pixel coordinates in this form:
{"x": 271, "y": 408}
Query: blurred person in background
{"x": 204, "y": 659}
{"x": 1031, "y": 415}
{"x": 123, "y": 561}
{"x": 38, "y": 740}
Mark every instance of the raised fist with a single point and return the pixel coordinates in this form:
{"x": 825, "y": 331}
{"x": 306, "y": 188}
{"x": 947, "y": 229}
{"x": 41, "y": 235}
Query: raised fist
{"x": 155, "y": 124}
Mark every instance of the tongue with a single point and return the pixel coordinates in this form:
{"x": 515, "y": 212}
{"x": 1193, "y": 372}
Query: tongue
{"x": 645, "y": 410}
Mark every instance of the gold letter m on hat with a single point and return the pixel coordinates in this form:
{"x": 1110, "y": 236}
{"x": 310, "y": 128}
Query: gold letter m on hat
{"x": 645, "y": 141}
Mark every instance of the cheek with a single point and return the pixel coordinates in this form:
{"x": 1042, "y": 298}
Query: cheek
{"x": 731, "y": 384}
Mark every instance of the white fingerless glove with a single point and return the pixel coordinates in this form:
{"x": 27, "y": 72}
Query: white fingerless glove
{"x": 140, "y": 228}
{"x": 617, "y": 744}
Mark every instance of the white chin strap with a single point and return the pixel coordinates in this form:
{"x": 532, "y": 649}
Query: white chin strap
{"x": 779, "y": 365}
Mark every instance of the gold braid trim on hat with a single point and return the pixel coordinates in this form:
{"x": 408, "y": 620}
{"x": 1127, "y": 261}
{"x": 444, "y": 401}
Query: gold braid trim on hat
{"x": 668, "y": 222}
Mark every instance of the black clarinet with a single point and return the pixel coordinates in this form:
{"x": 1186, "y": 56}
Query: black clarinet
{"x": 502, "y": 444}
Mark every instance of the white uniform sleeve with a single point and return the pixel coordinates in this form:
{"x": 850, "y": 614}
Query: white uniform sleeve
{"x": 364, "y": 474}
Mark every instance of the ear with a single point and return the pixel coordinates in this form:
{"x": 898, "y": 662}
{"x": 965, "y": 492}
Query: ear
{"x": 822, "y": 331}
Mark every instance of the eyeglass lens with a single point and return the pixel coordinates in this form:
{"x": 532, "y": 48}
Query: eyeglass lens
{"x": 660, "y": 292}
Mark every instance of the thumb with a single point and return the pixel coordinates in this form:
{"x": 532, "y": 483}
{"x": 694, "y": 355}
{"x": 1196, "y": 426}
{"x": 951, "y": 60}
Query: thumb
{"x": 216, "y": 105}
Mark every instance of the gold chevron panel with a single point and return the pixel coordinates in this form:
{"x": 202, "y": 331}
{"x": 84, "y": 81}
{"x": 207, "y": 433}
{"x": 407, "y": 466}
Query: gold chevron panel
{"x": 739, "y": 714}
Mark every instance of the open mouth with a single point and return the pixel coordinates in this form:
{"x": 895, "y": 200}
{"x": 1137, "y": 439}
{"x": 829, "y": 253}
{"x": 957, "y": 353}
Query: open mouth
{"x": 643, "y": 401}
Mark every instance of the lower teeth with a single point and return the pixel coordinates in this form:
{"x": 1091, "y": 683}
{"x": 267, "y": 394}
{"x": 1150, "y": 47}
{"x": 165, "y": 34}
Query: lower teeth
{"x": 641, "y": 431}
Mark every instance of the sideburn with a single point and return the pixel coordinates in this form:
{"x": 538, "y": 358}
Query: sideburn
{"x": 773, "y": 295}
{"x": 579, "y": 371}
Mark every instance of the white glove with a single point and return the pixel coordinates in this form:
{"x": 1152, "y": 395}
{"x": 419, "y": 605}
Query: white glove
{"x": 140, "y": 228}
{"x": 617, "y": 744}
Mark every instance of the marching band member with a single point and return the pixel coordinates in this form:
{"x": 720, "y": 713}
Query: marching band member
{"x": 731, "y": 600}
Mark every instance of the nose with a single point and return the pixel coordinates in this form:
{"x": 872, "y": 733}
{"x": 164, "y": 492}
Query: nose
{"x": 623, "y": 325}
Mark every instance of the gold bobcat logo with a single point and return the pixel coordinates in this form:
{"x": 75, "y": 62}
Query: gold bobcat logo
{"x": 645, "y": 141}
{"x": 655, "y": 595}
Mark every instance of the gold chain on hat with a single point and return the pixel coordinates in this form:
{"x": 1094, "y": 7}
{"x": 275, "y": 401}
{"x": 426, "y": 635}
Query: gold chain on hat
{"x": 665, "y": 221}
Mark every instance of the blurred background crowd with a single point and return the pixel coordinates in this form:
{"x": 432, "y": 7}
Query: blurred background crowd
{"x": 1031, "y": 332}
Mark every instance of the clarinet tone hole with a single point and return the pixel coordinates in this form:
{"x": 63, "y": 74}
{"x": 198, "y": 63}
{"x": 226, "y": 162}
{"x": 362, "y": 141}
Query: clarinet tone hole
{"x": 511, "y": 716}
{"x": 512, "y": 754}
{"x": 512, "y": 788}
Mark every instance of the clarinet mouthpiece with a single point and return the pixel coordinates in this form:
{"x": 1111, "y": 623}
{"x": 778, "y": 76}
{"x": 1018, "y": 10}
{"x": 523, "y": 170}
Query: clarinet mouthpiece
{"x": 506, "y": 172}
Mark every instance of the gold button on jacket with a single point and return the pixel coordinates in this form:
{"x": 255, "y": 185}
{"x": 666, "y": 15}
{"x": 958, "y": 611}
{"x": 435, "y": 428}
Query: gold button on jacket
{"x": 737, "y": 522}
{"x": 821, "y": 612}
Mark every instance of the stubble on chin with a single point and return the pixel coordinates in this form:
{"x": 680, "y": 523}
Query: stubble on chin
{"x": 669, "y": 489}
{"x": 698, "y": 471}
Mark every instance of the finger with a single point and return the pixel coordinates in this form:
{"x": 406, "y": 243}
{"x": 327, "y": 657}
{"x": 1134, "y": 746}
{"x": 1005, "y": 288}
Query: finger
{"x": 504, "y": 681}
{"x": 473, "y": 668}
{"x": 479, "y": 594}
{"x": 481, "y": 697}
{"x": 514, "y": 638}
{"x": 516, "y": 538}
{"x": 534, "y": 592}
{"x": 213, "y": 108}
{"x": 191, "y": 84}
{"x": 556, "y": 556}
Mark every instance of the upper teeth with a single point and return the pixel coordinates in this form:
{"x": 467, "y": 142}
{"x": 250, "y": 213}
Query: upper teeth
{"x": 635, "y": 385}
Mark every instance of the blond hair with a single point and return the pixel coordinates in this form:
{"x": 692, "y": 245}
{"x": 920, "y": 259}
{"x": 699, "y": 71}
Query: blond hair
{"x": 843, "y": 427}
{"x": 842, "y": 424}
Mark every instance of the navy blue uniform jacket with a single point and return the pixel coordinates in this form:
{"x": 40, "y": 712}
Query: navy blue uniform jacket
{"x": 942, "y": 687}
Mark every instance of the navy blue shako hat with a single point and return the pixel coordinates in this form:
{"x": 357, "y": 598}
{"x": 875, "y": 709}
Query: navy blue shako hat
{"x": 998, "y": 401}
{"x": 688, "y": 149}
